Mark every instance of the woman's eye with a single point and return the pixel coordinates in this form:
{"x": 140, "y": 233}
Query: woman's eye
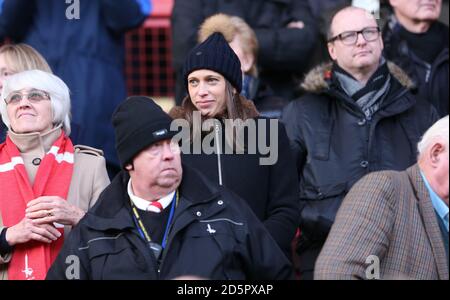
{"x": 35, "y": 96}
{"x": 15, "y": 97}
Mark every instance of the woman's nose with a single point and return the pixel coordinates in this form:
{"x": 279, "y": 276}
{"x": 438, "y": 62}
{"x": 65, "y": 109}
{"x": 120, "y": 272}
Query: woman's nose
{"x": 202, "y": 89}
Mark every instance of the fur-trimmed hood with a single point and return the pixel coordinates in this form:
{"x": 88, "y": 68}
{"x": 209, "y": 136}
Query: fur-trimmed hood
{"x": 316, "y": 80}
{"x": 178, "y": 112}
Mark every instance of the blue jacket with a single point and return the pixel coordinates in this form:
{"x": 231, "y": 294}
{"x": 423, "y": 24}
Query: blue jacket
{"x": 87, "y": 53}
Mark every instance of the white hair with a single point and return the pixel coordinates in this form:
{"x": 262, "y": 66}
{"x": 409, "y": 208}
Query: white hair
{"x": 439, "y": 130}
{"x": 53, "y": 85}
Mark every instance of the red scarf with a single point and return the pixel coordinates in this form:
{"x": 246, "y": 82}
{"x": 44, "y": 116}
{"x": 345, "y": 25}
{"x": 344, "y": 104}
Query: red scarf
{"x": 33, "y": 259}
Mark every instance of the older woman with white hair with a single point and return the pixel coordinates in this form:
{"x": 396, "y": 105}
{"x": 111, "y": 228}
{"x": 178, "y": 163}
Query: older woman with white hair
{"x": 46, "y": 183}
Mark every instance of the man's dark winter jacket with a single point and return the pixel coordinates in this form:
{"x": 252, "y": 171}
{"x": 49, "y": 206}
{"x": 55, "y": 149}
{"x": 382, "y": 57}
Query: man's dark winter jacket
{"x": 431, "y": 79}
{"x": 284, "y": 53}
{"x": 334, "y": 143}
{"x": 214, "y": 235}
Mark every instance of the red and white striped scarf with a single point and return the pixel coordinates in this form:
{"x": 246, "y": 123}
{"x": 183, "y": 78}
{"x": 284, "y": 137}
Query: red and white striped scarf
{"x": 33, "y": 259}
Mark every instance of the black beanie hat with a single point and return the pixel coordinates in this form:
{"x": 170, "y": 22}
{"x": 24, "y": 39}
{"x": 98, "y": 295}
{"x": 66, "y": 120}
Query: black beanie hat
{"x": 138, "y": 123}
{"x": 214, "y": 54}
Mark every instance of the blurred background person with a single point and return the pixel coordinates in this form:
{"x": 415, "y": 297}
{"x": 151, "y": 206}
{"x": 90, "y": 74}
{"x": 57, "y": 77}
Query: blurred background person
{"x": 46, "y": 182}
{"x": 242, "y": 39}
{"x": 417, "y": 41}
{"x": 286, "y": 32}
{"x": 18, "y": 58}
{"x": 83, "y": 41}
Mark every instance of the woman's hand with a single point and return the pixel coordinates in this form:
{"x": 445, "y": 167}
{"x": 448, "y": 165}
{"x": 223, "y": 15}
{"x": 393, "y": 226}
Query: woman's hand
{"x": 52, "y": 209}
{"x": 26, "y": 231}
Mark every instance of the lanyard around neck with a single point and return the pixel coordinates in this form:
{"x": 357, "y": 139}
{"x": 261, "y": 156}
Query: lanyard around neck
{"x": 140, "y": 225}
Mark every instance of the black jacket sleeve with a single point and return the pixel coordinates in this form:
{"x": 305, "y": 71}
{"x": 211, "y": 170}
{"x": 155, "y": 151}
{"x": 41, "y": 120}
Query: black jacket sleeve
{"x": 268, "y": 262}
{"x": 121, "y": 15}
{"x": 72, "y": 260}
{"x": 5, "y": 248}
{"x": 283, "y": 48}
{"x": 283, "y": 208}
{"x": 262, "y": 258}
{"x": 15, "y": 18}
{"x": 290, "y": 118}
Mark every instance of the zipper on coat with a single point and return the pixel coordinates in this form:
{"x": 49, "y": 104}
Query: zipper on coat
{"x": 428, "y": 73}
{"x": 218, "y": 150}
{"x": 164, "y": 253}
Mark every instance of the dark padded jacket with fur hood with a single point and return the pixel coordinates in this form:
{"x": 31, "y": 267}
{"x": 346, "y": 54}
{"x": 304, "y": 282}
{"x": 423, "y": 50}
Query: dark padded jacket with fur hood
{"x": 334, "y": 144}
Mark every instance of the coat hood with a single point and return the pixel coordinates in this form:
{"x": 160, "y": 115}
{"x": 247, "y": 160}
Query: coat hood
{"x": 317, "y": 80}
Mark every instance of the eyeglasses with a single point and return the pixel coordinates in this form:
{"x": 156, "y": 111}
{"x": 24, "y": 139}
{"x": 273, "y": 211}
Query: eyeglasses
{"x": 349, "y": 38}
{"x": 33, "y": 96}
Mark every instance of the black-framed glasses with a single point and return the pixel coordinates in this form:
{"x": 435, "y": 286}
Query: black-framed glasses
{"x": 33, "y": 96}
{"x": 349, "y": 38}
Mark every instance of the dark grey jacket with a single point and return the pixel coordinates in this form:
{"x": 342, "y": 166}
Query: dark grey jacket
{"x": 334, "y": 144}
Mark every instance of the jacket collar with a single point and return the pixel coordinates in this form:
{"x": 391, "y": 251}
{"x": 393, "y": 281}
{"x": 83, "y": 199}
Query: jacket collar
{"x": 30, "y": 142}
{"x": 429, "y": 220}
{"x": 319, "y": 80}
{"x": 113, "y": 210}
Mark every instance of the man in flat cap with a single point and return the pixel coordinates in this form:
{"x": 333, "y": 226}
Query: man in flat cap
{"x": 161, "y": 220}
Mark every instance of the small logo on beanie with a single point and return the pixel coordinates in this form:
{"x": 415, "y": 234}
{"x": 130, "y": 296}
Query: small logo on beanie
{"x": 199, "y": 53}
{"x": 160, "y": 133}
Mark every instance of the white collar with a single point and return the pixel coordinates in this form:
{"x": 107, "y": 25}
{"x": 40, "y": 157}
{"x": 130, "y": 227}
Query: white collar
{"x": 144, "y": 204}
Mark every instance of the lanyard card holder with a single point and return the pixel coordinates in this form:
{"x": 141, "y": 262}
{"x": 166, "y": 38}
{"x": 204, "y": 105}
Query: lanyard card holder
{"x": 156, "y": 249}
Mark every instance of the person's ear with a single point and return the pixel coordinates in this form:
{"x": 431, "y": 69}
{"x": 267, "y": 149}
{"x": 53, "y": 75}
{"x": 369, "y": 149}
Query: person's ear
{"x": 332, "y": 51}
{"x": 247, "y": 62}
{"x": 129, "y": 167}
{"x": 435, "y": 153}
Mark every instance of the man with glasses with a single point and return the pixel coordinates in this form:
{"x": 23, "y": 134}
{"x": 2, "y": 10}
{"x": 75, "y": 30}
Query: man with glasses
{"x": 357, "y": 116}
{"x": 161, "y": 220}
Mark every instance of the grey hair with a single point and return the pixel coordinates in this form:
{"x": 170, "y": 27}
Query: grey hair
{"x": 439, "y": 130}
{"x": 52, "y": 84}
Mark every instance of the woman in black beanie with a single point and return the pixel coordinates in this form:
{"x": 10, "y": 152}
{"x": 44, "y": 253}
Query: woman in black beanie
{"x": 213, "y": 80}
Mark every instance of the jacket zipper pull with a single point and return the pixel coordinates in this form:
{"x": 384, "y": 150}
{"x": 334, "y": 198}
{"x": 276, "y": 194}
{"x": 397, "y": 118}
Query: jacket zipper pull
{"x": 219, "y": 164}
